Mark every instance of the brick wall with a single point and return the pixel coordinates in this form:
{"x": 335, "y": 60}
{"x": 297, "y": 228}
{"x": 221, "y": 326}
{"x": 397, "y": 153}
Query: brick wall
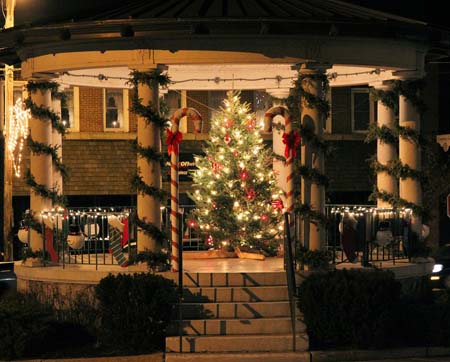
{"x": 91, "y": 109}
{"x": 348, "y": 168}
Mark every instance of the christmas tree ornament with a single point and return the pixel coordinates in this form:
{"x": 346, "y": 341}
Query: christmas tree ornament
{"x": 227, "y": 139}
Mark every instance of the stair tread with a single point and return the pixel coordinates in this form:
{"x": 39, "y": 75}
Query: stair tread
{"x": 239, "y": 336}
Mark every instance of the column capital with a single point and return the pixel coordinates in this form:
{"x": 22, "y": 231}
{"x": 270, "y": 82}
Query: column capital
{"x": 280, "y": 93}
{"x": 149, "y": 68}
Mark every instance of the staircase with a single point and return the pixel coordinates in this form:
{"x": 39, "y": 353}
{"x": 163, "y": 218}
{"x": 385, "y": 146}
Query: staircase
{"x": 236, "y": 317}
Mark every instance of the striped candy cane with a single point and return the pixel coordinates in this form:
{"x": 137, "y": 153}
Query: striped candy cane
{"x": 173, "y": 140}
{"x": 286, "y": 177}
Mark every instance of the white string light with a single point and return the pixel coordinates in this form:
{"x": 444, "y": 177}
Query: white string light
{"x": 17, "y": 133}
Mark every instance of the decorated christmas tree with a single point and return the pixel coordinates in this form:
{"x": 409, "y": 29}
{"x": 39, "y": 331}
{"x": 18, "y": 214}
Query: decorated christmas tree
{"x": 237, "y": 201}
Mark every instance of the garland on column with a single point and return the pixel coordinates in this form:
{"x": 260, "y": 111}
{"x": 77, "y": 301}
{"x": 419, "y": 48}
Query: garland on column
{"x": 150, "y": 154}
{"x": 297, "y": 94}
{"x": 39, "y": 148}
{"x": 44, "y": 113}
{"x": 408, "y": 89}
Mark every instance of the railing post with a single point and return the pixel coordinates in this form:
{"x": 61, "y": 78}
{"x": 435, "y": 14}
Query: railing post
{"x": 180, "y": 280}
{"x": 290, "y": 276}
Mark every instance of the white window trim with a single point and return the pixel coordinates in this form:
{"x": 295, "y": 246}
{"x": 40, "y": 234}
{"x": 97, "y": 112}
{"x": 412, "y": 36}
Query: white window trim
{"x": 125, "y": 107}
{"x": 371, "y": 108}
{"x": 76, "y": 110}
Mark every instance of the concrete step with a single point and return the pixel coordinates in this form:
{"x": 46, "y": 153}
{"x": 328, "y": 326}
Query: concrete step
{"x": 199, "y": 327}
{"x": 234, "y": 310}
{"x": 233, "y": 279}
{"x": 239, "y": 357}
{"x": 236, "y": 294}
{"x": 242, "y": 343}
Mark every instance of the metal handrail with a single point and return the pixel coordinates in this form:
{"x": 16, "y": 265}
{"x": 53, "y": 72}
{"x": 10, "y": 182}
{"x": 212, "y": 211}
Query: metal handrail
{"x": 290, "y": 275}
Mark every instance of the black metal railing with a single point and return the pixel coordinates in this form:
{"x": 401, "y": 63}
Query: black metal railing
{"x": 366, "y": 234}
{"x": 289, "y": 266}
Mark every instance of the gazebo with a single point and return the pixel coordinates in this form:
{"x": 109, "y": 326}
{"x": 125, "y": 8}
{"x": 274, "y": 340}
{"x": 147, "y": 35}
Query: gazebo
{"x": 222, "y": 45}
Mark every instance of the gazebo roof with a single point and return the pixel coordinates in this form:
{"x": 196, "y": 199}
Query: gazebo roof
{"x": 228, "y": 25}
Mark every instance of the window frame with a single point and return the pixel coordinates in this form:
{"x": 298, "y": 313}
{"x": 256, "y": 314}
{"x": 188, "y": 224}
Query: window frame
{"x": 361, "y": 90}
{"x": 125, "y": 111}
{"x": 76, "y": 108}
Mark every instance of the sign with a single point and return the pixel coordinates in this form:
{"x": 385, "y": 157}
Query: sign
{"x": 448, "y": 205}
{"x": 186, "y": 166}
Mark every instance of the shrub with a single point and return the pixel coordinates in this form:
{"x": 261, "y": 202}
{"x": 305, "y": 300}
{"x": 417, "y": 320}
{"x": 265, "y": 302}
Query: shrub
{"x": 156, "y": 261}
{"x": 349, "y": 308}
{"x": 134, "y": 311}
{"x": 24, "y": 325}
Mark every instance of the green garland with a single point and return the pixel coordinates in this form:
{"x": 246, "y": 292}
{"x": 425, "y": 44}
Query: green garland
{"x": 300, "y": 95}
{"x": 412, "y": 135}
{"x": 397, "y": 169}
{"x": 44, "y": 113}
{"x": 39, "y": 148}
{"x": 383, "y": 133}
{"x": 398, "y": 202}
{"x": 43, "y": 191}
{"x": 314, "y": 175}
{"x": 316, "y": 217}
{"x": 151, "y": 230}
{"x": 154, "y": 77}
{"x": 33, "y": 87}
{"x": 148, "y": 153}
{"x": 390, "y": 98}
{"x": 151, "y": 116}
{"x": 147, "y": 112}
{"x": 140, "y": 186}
{"x": 30, "y": 221}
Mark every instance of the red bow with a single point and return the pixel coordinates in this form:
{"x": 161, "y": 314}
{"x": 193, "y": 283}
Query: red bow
{"x": 173, "y": 140}
{"x": 292, "y": 140}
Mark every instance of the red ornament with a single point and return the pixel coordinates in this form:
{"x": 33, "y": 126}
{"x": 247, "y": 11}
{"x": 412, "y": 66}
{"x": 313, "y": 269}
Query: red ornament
{"x": 228, "y": 123}
{"x": 251, "y": 194}
{"x": 216, "y": 167}
{"x": 251, "y": 124}
{"x": 264, "y": 218}
{"x": 244, "y": 174}
{"x": 214, "y": 205}
{"x": 227, "y": 138}
{"x": 235, "y": 153}
{"x": 277, "y": 204}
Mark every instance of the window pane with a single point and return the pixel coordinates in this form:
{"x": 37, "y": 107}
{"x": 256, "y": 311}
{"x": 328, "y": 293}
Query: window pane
{"x": 67, "y": 116}
{"x": 114, "y": 108}
{"x": 361, "y": 111}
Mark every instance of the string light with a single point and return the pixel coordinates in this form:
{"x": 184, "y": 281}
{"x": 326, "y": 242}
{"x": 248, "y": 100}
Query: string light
{"x": 18, "y": 133}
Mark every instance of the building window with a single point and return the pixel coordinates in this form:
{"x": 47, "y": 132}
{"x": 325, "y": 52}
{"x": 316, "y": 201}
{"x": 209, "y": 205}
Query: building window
{"x": 67, "y": 110}
{"x": 116, "y": 109}
{"x": 363, "y": 110}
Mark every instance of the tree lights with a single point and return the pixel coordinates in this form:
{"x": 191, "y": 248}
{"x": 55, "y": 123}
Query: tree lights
{"x": 234, "y": 183}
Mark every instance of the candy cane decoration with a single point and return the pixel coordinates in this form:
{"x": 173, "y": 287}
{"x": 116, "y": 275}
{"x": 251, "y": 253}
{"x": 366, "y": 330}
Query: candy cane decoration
{"x": 291, "y": 140}
{"x": 174, "y": 138}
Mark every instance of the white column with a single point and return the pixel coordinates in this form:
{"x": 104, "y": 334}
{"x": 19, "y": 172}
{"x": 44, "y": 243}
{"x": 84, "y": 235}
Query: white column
{"x": 409, "y": 153}
{"x": 312, "y": 193}
{"x": 57, "y": 141}
{"x": 40, "y": 165}
{"x": 386, "y": 152}
{"x": 148, "y": 135}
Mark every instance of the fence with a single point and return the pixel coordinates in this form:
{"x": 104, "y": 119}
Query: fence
{"x": 368, "y": 234}
{"x": 354, "y": 233}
